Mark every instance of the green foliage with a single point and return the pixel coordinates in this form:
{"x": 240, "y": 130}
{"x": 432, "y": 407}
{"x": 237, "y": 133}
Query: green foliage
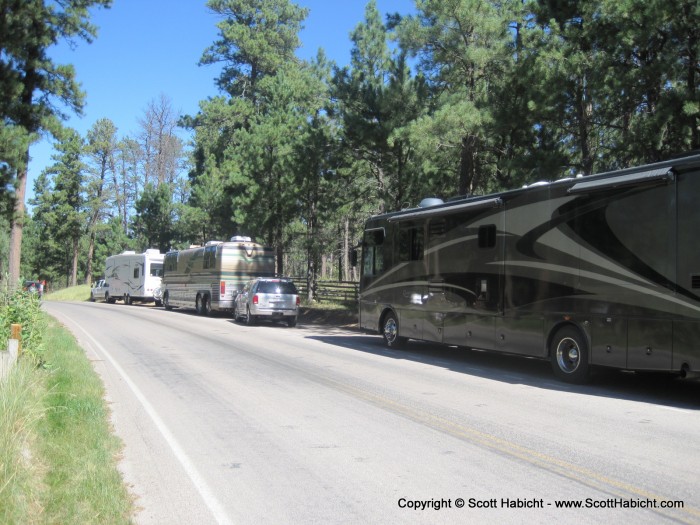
{"x": 463, "y": 96}
{"x": 153, "y": 223}
{"x": 23, "y": 308}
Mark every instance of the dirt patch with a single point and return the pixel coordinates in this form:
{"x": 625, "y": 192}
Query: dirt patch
{"x": 336, "y": 317}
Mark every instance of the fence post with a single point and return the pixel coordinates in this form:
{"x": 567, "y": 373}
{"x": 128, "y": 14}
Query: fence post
{"x": 8, "y": 358}
{"x": 16, "y": 333}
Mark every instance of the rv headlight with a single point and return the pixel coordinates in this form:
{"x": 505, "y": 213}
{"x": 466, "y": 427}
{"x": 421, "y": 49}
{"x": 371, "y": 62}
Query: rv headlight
{"x": 157, "y": 293}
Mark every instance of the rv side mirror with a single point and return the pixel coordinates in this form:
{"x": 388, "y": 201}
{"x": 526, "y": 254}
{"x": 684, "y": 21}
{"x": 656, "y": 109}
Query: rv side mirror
{"x": 353, "y": 258}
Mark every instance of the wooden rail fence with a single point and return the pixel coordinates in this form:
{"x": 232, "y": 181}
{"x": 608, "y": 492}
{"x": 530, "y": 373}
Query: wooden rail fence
{"x": 334, "y": 291}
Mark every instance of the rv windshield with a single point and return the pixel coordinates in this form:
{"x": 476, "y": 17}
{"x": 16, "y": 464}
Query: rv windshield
{"x": 156, "y": 270}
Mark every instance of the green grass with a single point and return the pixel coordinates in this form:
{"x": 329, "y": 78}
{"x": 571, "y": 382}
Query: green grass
{"x": 73, "y": 293}
{"x": 21, "y": 408}
{"x": 57, "y": 452}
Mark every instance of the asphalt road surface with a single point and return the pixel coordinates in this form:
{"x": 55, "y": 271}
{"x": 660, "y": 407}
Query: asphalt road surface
{"x": 224, "y": 423}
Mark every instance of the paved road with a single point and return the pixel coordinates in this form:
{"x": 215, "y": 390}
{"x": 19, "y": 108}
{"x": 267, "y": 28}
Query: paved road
{"x": 224, "y": 423}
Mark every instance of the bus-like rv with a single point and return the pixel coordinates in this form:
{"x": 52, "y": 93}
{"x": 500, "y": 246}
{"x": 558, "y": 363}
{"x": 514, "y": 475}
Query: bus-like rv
{"x": 598, "y": 270}
{"x": 209, "y": 277}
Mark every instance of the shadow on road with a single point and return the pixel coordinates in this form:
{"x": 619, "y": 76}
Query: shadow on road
{"x": 657, "y": 388}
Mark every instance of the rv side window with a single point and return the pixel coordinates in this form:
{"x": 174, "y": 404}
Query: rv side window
{"x": 411, "y": 243}
{"x": 170, "y": 262}
{"x": 487, "y": 236}
{"x": 136, "y": 273}
{"x": 373, "y": 253}
{"x": 209, "y": 257}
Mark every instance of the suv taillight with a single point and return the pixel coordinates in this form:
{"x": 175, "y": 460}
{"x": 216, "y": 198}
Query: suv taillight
{"x": 298, "y": 301}
{"x": 255, "y": 299}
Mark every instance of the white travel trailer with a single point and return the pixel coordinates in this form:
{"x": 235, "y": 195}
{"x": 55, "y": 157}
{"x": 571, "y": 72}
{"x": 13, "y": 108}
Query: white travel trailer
{"x": 134, "y": 276}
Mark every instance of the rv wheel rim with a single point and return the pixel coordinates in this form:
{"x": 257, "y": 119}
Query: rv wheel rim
{"x": 390, "y": 329}
{"x": 568, "y": 355}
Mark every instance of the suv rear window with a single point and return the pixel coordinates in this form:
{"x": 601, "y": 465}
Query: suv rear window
{"x": 276, "y": 287}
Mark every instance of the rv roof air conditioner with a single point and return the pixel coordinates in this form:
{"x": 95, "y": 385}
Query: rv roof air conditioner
{"x": 240, "y": 238}
{"x": 430, "y": 201}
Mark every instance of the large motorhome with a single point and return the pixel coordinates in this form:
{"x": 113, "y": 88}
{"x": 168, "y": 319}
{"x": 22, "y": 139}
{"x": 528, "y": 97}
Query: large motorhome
{"x": 596, "y": 270}
{"x": 209, "y": 277}
{"x": 132, "y": 276}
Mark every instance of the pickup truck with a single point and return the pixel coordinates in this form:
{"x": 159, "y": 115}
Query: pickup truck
{"x": 99, "y": 291}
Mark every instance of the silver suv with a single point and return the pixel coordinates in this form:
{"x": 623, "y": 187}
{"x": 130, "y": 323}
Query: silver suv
{"x": 271, "y": 298}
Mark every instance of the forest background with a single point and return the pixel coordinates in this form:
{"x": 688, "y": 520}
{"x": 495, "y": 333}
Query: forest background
{"x": 461, "y": 97}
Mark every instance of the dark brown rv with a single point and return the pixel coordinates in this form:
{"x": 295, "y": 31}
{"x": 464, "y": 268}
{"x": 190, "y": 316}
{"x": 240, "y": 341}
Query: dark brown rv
{"x": 597, "y": 270}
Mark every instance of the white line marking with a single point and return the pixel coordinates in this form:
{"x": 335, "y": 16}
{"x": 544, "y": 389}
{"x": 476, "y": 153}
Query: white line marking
{"x": 205, "y": 492}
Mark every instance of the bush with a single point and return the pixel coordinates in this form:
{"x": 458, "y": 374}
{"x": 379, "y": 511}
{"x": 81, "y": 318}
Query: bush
{"x": 23, "y": 308}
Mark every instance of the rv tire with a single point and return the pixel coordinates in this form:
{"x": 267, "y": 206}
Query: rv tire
{"x": 127, "y": 298}
{"x": 206, "y": 305}
{"x": 166, "y": 302}
{"x": 568, "y": 353}
{"x": 390, "y": 331}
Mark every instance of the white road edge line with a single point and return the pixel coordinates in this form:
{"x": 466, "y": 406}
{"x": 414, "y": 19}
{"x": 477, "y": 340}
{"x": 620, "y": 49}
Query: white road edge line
{"x": 202, "y": 487}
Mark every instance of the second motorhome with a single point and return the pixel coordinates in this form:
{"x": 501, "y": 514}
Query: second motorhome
{"x": 209, "y": 277}
{"x": 132, "y": 276}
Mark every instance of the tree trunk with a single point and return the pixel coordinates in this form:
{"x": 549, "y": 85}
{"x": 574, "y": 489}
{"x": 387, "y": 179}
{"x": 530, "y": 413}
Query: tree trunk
{"x": 74, "y": 272}
{"x": 17, "y": 225}
{"x": 467, "y": 165}
{"x": 346, "y": 249}
{"x": 90, "y": 255}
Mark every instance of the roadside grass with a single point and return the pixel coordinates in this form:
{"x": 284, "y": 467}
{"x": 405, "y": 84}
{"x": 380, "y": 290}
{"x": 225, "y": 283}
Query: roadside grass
{"x": 82, "y": 480}
{"x": 21, "y": 408}
{"x": 57, "y": 455}
{"x": 72, "y": 293}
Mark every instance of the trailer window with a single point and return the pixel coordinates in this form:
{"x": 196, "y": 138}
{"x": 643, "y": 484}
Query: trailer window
{"x": 136, "y": 272}
{"x": 411, "y": 243}
{"x": 373, "y": 252}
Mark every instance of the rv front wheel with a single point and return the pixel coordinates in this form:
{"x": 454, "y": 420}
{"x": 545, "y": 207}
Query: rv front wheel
{"x": 166, "y": 301}
{"x": 198, "y": 304}
{"x": 390, "y": 331}
{"x": 568, "y": 353}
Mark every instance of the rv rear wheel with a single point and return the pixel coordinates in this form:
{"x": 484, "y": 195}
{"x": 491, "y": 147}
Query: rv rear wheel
{"x": 568, "y": 353}
{"x": 390, "y": 331}
{"x": 198, "y": 304}
{"x": 206, "y": 305}
{"x": 166, "y": 301}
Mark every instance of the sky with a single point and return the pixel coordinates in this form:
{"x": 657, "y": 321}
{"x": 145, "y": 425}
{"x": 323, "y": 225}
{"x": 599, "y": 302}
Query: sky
{"x": 148, "y": 48}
